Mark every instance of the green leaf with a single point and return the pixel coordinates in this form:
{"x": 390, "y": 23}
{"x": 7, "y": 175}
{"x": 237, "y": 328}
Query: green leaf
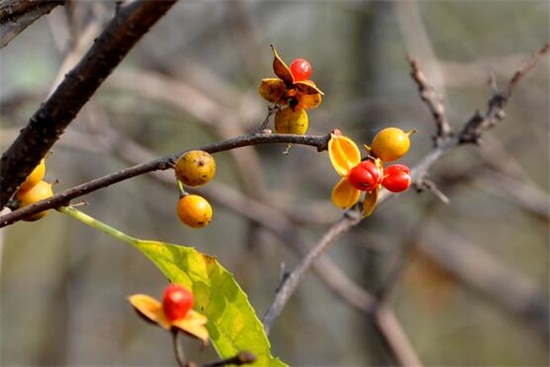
{"x": 232, "y": 322}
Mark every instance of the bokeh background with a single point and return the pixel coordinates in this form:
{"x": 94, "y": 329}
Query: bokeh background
{"x": 471, "y": 276}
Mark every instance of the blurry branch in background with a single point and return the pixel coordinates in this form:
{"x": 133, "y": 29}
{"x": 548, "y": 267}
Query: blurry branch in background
{"x": 52, "y": 118}
{"x": 16, "y": 15}
{"x": 487, "y": 276}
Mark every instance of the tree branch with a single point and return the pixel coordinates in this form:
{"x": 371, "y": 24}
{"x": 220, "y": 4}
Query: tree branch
{"x": 350, "y": 218}
{"x": 16, "y": 15}
{"x": 63, "y": 198}
{"x": 478, "y": 123}
{"x": 52, "y": 118}
{"x": 433, "y": 101}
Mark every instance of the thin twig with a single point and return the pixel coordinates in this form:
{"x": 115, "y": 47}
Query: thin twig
{"x": 433, "y": 101}
{"x": 63, "y": 198}
{"x": 479, "y": 123}
{"x": 294, "y": 279}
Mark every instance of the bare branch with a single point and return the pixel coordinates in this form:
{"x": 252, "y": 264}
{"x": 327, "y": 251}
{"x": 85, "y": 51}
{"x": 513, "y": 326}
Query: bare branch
{"x": 16, "y": 15}
{"x": 52, "y": 118}
{"x": 351, "y": 219}
{"x": 336, "y": 231}
{"x": 433, "y": 101}
{"x": 479, "y": 123}
{"x": 63, "y": 198}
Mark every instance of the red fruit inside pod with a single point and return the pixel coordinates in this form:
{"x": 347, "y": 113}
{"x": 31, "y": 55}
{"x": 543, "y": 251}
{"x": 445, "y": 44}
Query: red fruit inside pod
{"x": 301, "y": 69}
{"x": 176, "y": 302}
{"x": 366, "y": 176}
{"x": 397, "y": 178}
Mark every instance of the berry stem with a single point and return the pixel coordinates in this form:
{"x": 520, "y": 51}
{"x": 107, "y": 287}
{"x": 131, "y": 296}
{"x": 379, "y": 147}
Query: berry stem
{"x": 96, "y": 224}
{"x": 181, "y": 189}
{"x": 178, "y": 349}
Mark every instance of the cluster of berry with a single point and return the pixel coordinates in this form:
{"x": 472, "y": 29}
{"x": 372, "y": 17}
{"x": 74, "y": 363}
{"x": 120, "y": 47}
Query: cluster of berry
{"x": 193, "y": 169}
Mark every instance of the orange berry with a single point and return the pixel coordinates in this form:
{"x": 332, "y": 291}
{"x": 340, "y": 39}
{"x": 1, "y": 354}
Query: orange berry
{"x": 391, "y": 144}
{"x": 195, "y": 168}
{"x": 290, "y": 121}
{"x": 34, "y": 177}
{"x": 40, "y": 191}
{"x": 194, "y": 210}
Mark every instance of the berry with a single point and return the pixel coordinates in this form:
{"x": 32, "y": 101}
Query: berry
{"x": 194, "y": 210}
{"x": 291, "y": 121}
{"x": 300, "y": 69}
{"x": 366, "y": 176}
{"x": 176, "y": 302}
{"x": 195, "y": 168}
{"x": 397, "y": 178}
{"x": 391, "y": 144}
{"x": 34, "y": 177}
{"x": 40, "y": 191}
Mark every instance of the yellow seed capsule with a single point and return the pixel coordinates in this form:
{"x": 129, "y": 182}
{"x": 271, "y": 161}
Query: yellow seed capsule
{"x": 34, "y": 177}
{"x": 290, "y": 121}
{"x": 391, "y": 144}
{"x": 40, "y": 191}
{"x": 195, "y": 168}
{"x": 194, "y": 210}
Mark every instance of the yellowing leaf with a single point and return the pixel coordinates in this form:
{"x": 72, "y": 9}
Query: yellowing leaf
{"x": 343, "y": 153}
{"x": 232, "y": 322}
{"x": 344, "y": 195}
{"x": 272, "y": 89}
{"x": 281, "y": 69}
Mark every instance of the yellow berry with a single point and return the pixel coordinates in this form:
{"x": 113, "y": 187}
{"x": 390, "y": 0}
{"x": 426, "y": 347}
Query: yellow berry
{"x": 40, "y": 191}
{"x": 34, "y": 177}
{"x": 195, "y": 168}
{"x": 290, "y": 121}
{"x": 391, "y": 144}
{"x": 194, "y": 210}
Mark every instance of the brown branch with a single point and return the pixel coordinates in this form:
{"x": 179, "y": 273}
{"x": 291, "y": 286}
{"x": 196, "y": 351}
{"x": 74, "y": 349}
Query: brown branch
{"x": 16, "y": 15}
{"x": 351, "y": 219}
{"x": 63, "y": 198}
{"x": 433, "y": 101}
{"x": 479, "y": 123}
{"x": 52, "y": 118}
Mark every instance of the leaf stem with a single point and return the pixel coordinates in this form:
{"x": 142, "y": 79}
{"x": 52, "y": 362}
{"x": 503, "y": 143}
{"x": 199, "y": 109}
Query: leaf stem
{"x": 94, "y": 223}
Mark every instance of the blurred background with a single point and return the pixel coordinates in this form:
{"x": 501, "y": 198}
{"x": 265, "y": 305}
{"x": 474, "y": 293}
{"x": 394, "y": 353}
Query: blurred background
{"x": 470, "y": 277}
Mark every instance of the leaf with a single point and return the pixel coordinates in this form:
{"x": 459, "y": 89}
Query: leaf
{"x": 232, "y": 322}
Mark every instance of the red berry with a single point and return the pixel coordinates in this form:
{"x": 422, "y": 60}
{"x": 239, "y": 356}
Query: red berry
{"x": 300, "y": 69}
{"x": 397, "y": 178}
{"x": 366, "y": 176}
{"x": 176, "y": 302}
